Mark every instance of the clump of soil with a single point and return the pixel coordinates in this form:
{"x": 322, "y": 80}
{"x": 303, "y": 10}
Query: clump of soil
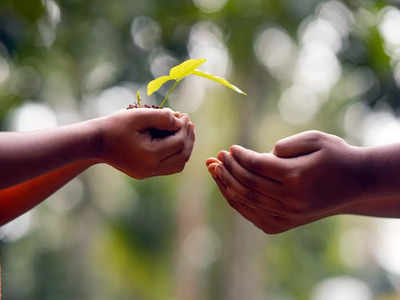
{"x": 154, "y": 132}
{"x": 131, "y": 106}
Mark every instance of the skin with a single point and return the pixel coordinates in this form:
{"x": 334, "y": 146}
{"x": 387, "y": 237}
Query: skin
{"x": 308, "y": 176}
{"x": 36, "y": 164}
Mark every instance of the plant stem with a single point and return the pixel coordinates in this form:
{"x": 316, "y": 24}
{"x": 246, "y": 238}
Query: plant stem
{"x": 169, "y": 92}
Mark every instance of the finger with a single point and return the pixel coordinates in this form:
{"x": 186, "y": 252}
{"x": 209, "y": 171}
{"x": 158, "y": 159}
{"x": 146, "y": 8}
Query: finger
{"x": 162, "y": 119}
{"x": 172, "y": 165}
{"x": 263, "y": 185}
{"x": 188, "y": 149}
{"x": 212, "y": 160}
{"x": 264, "y": 164}
{"x": 245, "y": 195}
{"x": 299, "y": 144}
{"x": 247, "y": 212}
{"x": 171, "y": 145}
{"x": 176, "y": 162}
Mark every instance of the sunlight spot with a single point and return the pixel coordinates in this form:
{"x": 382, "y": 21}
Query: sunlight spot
{"x": 161, "y": 62}
{"x": 201, "y": 247}
{"x": 113, "y": 99}
{"x": 387, "y": 245}
{"x": 53, "y": 11}
{"x": 389, "y": 29}
{"x": 205, "y": 40}
{"x": 68, "y": 197}
{"x": 380, "y": 128}
{"x": 342, "y": 288}
{"x": 321, "y": 31}
{"x": 33, "y": 116}
{"x": 275, "y": 49}
{"x": 390, "y": 24}
{"x": 317, "y": 68}
{"x": 338, "y": 15}
{"x": 298, "y": 105}
{"x": 17, "y": 228}
{"x": 100, "y": 76}
{"x": 353, "y": 247}
{"x": 353, "y": 119}
{"x": 210, "y": 6}
{"x": 146, "y": 32}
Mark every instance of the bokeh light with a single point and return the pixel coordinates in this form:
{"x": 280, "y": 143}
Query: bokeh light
{"x": 146, "y": 32}
{"x": 33, "y": 116}
{"x": 330, "y": 65}
{"x": 276, "y": 50}
{"x": 298, "y": 105}
{"x": 342, "y": 288}
{"x": 388, "y": 245}
{"x": 210, "y": 6}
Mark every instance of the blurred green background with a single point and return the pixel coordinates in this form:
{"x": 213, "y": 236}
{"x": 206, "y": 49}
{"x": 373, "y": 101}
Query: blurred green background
{"x": 310, "y": 64}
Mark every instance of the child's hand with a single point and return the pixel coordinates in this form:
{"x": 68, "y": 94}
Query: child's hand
{"x": 308, "y": 176}
{"x": 127, "y": 142}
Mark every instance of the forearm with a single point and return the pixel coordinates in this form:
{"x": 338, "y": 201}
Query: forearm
{"x": 18, "y": 199}
{"x": 24, "y": 156}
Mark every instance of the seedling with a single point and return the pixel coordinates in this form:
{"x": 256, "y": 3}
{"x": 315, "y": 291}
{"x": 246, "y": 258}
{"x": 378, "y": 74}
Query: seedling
{"x": 179, "y": 72}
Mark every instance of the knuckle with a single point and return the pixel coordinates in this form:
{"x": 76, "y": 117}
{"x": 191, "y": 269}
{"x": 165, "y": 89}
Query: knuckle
{"x": 315, "y": 136}
{"x": 279, "y": 147}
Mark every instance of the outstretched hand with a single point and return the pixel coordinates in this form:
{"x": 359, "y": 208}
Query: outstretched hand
{"x": 306, "y": 177}
{"x": 128, "y": 142}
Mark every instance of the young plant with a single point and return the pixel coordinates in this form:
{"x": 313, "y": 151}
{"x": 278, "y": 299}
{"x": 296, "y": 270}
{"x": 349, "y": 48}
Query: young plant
{"x": 179, "y": 72}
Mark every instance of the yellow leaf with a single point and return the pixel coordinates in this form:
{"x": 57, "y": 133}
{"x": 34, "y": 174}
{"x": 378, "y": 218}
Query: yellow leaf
{"x": 156, "y": 84}
{"x": 219, "y": 80}
{"x": 186, "y": 68}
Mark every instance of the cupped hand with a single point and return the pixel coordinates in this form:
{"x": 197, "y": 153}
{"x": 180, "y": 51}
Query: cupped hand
{"x": 308, "y": 176}
{"x": 128, "y": 142}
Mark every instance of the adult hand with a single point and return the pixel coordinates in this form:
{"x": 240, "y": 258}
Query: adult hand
{"x": 308, "y": 176}
{"x": 128, "y": 142}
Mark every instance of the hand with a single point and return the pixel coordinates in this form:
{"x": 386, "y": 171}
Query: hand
{"x": 128, "y": 142}
{"x": 307, "y": 177}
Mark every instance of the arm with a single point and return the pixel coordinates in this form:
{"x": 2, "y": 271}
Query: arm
{"x": 37, "y": 164}
{"x": 24, "y": 156}
{"x": 16, "y": 200}
{"x": 309, "y": 176}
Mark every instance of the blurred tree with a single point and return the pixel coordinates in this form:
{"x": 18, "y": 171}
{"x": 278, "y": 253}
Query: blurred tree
{"x": 304, "y": 64}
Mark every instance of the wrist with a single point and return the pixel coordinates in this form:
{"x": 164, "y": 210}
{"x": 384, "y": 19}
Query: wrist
{"x": 378, "y": 179}
{"x": 95, "y": 141}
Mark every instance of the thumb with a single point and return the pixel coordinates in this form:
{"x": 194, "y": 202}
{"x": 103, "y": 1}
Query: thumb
{"x": 162, "y": 119}
{"x": 299, "y": 144}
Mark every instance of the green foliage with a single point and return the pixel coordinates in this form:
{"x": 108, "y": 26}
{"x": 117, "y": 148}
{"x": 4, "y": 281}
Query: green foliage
{"x": 132, "y": 242}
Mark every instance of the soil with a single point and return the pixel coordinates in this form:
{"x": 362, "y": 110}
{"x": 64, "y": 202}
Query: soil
{"x": 131, "y": 106}
{"x": 154, "y": 132}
